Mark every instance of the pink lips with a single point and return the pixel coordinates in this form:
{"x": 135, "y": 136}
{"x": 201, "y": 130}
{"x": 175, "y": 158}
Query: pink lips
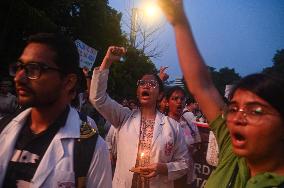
{"x": 22, "y": 91}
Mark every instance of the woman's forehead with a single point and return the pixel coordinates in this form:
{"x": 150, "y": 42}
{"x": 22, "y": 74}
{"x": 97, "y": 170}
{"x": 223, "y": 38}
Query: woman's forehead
{"x": 178, "y": 92}
{"x": 243, "y": 96}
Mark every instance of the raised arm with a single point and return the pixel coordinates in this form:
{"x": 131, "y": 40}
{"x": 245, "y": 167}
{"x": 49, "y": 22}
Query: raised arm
{"x": 195, "y": 71}
{"x": 111, "y": 110}
{"x": 113, "y": 54}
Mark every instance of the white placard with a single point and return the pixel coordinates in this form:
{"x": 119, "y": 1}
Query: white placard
{"x": 87, "y": 54}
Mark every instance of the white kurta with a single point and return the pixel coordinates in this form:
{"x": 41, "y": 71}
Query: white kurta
{"x": 168, "y": 145}
{"x": 56, "y": 166}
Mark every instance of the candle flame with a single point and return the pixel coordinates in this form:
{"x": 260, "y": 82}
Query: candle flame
{"x": 142, "y": 155}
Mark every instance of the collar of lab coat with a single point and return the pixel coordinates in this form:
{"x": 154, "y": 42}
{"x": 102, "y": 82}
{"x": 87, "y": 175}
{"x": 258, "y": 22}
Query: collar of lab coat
{"x": 159, "y": 122}
{"x": 55, "y": 151}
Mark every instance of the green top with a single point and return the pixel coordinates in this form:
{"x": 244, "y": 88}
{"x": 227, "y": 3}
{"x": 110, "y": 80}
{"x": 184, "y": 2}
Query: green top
{"x": 228, "y": 160}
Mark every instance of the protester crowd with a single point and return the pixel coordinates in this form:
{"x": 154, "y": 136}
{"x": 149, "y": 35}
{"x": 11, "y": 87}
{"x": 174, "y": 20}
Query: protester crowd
{"x": 69, "y": 132}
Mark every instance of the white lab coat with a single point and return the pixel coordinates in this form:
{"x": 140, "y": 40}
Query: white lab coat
{"x": 167, "y": 146}
{"x": 56, "y": 166}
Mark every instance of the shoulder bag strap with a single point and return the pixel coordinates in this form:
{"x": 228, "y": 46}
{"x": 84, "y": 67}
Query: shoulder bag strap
{"x": 83, "y": 153}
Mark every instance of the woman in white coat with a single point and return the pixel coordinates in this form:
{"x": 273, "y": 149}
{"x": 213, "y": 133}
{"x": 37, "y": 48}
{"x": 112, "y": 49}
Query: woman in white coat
{"x": 147, "y": 140}
{"x": 176, "y": 101}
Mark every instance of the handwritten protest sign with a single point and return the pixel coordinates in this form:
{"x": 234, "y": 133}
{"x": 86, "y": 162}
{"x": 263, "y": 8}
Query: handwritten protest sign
{"x": 87, "y": 54}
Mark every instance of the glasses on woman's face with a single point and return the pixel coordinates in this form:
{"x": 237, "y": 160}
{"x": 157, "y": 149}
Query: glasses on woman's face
{"x": 33, "y": 70}
{"x": 148, "y": 83}
{"x": 252, "y": 113}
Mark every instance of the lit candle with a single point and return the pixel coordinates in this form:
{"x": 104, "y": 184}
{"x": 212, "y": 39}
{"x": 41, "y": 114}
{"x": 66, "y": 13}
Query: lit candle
{"x": 142, "y": 155}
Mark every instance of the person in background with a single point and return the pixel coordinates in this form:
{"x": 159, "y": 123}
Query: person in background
{"x": 249, "y": 129}
{"x": 37, "y": 146}
{"x": 149, "y": 143}
{"x": 176, "y": 102}
{"x": 132, "y": 104}
{"x": 189, "y": 110}
{"x": 163, "y": 105}
{"x": 8, "y": 101}
{"x": 124, "y": 103}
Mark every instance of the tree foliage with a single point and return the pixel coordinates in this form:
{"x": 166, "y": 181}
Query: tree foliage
{"x": 221, "y": 78}
{"x": 278, "y": 63}
{"x": 224, "y": 77}
{"x": 95, "y": 23}
{"x": 124, "y": 75}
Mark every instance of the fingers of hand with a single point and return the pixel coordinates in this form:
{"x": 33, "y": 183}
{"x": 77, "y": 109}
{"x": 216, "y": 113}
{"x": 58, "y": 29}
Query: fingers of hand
{"x": 149, "y": 175}
{"x": 162, "y": 69}
{"x": 173, "y": 10}
{"x": 166, "y": 5}
{"x": 117, "y": 51}
{"x": 166, "y": 76}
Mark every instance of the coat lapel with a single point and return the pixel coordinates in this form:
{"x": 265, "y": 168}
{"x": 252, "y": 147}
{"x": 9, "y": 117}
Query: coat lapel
{"x": 8, "y": 140}
{"x": 159, "y": 122}
{"x": 55, "y": 151}
{"x": 136, "y": 115}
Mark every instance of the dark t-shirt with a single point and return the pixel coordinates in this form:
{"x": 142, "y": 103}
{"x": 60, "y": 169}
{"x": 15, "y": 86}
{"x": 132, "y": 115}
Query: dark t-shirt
{"x": 29, "y": 150}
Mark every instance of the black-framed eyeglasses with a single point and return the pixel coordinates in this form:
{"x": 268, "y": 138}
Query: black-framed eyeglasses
{"x": 33, "y": 70}
{"x": 252, "y": 113}
{"x": 149, "y": 83}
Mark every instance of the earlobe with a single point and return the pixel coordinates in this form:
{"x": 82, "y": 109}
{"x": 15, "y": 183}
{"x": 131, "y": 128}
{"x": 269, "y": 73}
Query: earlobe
{"x": 71, "y": 81}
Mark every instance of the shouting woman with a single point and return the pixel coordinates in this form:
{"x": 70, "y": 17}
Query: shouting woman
{"x": 250, "y": 129}
{"x": 149, "y": 144}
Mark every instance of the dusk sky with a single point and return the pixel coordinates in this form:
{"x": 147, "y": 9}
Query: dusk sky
{"x": 239, "y": 34}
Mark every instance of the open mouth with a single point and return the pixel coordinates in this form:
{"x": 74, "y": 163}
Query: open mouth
{"x": 238, "y": 140}
{"x": 145, "y": 94}
{"x": 239, "y": 137}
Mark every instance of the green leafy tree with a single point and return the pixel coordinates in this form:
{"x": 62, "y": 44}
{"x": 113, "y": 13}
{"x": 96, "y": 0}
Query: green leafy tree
{"x": 18, "y": 19}
{"x": 94, "y": 22}
{"x": 124, "y": 75}
{"x": 226, "y": 76}
{"x": 278, "y": 65}
{"x": 221, "y": 78}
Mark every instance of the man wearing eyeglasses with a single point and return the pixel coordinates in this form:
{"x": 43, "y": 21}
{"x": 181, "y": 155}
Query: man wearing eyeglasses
{"x": 37, "y": 146}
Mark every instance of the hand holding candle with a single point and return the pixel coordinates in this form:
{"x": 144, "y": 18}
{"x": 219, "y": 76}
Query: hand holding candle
{"x": 138, "y": 169}
{"x": 154, "y": 169}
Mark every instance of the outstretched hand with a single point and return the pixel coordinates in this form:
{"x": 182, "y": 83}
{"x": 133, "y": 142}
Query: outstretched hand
{"x": 114, "y": 53}
{"x": 173, "y": 9}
